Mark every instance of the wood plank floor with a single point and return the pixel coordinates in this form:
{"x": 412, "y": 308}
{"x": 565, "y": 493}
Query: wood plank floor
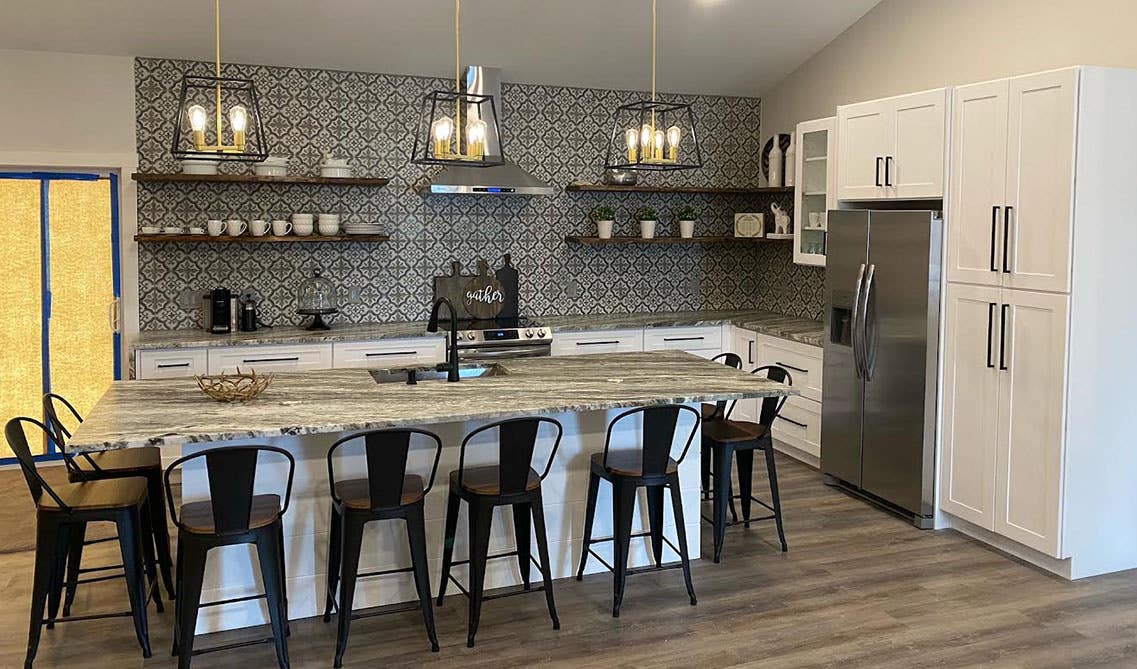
{"x": 858, "y": 588}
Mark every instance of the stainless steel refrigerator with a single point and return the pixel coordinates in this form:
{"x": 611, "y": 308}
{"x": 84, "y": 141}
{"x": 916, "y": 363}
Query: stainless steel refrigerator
{"x": 878, "y": 426}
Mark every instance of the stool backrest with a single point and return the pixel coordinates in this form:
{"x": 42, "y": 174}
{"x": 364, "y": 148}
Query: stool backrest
{"x": 516, "y": 440}
{"x": 232, "y": 472}
{"x": 386, "y": 453}
{"x": 60, "y": 433}
{"x": 18, "y": 442}
{"x": 659, "y": 425}
{"x": 730, "y": 360}
{"x": 772, "y": 406}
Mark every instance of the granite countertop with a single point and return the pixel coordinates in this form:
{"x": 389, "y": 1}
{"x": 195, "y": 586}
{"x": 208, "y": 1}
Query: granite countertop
{"x": 175, "y": 411}
{"x": 763, "y": 322}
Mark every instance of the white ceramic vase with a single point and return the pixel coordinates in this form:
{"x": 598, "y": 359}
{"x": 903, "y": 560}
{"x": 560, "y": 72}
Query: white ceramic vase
{"x": 686, "y": 229}
{"x": 647, "y": 229}
{"x": 604, "y": 229}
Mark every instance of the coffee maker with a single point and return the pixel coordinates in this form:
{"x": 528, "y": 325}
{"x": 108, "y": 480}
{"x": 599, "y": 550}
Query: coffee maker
{"x": 220, "y": 311}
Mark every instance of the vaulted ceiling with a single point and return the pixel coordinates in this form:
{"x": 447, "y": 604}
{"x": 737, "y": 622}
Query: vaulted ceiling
{"x": 728, "y": 47}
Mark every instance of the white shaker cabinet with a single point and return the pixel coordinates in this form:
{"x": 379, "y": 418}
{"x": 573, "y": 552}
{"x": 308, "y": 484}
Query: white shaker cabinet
{"x": 597, "y": 341}
{"x": 1012, "y": 181}
{"x": 893, "y": 148}
{"x": 283, "y": 358}
{"x": 170, "y": 363}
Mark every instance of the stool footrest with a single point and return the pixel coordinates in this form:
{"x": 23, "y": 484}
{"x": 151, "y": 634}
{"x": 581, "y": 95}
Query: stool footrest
{"x": 221, "y": 602}
{"x": 385, "y": 610}
{"x": 91, "y": 616}
{"x": 386, "y": 572}
{"x": 96, "y": 579}
{"x": 87, "y": 570}
{"x": 632, "y": 571}
{"x": 231, "y": 646}
{"x": 91, "y": 542}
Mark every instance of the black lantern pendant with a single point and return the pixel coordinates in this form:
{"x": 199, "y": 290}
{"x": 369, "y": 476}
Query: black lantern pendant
{"x": 213, "y": 101}
{"x": 654, "y": 135}
{"x": 457, "y": 128}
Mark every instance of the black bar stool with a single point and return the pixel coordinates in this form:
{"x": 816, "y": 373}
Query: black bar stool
{"x": 388, "y": 492}
{"x": 649, "y": 466}
{"x": 232, "y": 515}
{"x": 64, "y": 512}
{"x": 728, "y": 439}
{"x": 710, "y": 412}
{"x": 113, "y": 464}
{"x": 512, "y": 481}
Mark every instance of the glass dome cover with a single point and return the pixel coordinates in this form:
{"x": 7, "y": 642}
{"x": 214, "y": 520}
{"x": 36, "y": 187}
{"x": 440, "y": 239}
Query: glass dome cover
{"x": 317, "y": 297}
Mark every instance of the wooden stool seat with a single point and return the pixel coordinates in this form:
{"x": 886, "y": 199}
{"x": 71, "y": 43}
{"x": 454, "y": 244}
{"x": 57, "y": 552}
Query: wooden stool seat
{"x": 629, "y": 463}
{"x": 485, "y": 480}
{"x": 733, "y": 431}
{"x": 197, "y": 517}
{"x": 128, "y": 460}
{"x": 93, "y": 495}
{"x": 356, "y": 493}
{"x": 707, "y": 410}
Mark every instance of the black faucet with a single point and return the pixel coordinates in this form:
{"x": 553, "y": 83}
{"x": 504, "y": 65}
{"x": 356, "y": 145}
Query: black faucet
{"x": 452, "y": 349}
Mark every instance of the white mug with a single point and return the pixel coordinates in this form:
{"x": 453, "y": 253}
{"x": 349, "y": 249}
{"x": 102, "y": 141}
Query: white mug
{"x": 235, "y": 227}
{"x": 215, "y": 227}
{"x": 281, "y": 228}
{"x": 258, "y": 228}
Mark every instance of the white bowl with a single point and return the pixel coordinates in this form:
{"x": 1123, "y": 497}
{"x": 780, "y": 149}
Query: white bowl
{"x": 273, "y": 166}
{"x": 199, "y": 166}
{"x": 335, "y": 172}
{"x": 150, "y": 229}
{"x": 172, "y": 230}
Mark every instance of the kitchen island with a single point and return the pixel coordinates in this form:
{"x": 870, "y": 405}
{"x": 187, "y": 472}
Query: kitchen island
{"x": 306, "y": 412}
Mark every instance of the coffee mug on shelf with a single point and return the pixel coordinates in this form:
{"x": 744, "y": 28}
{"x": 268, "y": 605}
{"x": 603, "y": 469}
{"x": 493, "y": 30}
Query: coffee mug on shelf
{"x": 258, "y": 228}
{"x": 235, "y": 227}
{"x": 215, "y": 227}
{"x": 281, "y": 228}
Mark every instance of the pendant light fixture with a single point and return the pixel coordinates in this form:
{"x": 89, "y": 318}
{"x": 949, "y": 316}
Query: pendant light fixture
{"x": 206, "y": 103}
{"x": 458, "y": 128}
{"x": 653, "y": 135}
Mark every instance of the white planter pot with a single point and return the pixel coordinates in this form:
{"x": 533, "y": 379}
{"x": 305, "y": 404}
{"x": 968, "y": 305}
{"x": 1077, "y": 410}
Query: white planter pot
{"x": 686, "y": 229}
{"x": 647, "y": 229}
{"x": 604, "y": 229}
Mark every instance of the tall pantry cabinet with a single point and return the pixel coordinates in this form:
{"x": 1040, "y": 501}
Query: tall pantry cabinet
{"x": 1039, "y": 433}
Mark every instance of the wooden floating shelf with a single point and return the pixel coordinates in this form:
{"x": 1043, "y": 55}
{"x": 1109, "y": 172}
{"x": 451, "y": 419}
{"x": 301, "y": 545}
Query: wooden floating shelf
{"x": 267, "y": 239}
{"x": 178, "y": 177}
{"x": 693, "y": 190}
{"x": 596, "y": 241}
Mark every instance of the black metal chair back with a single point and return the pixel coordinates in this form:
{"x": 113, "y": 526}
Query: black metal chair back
{"x": 730, "y": 360}
{"x": 772, "y": 406}
{"x": 387, "y": 453}
{"x": 231, "y": 471}
{"x": 18, "y": 442}
{"x": 60, "y": 433}
{"x": 516, "y": 440}
{"x": 659, "y": 426}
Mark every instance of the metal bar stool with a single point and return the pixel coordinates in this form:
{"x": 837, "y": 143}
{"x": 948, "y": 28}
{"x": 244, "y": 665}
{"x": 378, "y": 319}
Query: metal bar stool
{"x": 514, "y": 482}
{"x": 232, "y": 515}
{"x": 711, "y": 412}
{"x": 650, "y": 466}
{"x": 113, "y": 464}
{"x": 388, "y": 492}
{"x": 64, "y": 512}
{"x": 729, "y": 439}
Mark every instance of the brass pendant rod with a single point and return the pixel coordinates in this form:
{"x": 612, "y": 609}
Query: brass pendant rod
{"x": 653, "y": 11}
{"x": 457, "y": 74}
{"x": 217, "y": 63}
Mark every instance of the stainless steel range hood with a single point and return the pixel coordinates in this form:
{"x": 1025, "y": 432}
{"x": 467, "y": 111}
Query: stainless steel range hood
{"x": 506, "y": 179}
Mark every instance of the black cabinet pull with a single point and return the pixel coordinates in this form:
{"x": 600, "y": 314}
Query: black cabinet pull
{"x": 878, "y": 159}
{"x": 377, "y": 354}
{"x": 1003, "y": 338}
{"x": 252, "y": 360}
{"x": 597, "y": 343}
{"x": 1006, "y": 236}
{"x": 792, "y": 421}
{"x": 990, "y": 326}
{"x": 172, "y": 365}
{"x": 994, "y": 235}
{"x": 684, "y": 338}
{"x": 887, "y": 164}
{"x": 796, "y": 369}
{"x": 750, "y": 351}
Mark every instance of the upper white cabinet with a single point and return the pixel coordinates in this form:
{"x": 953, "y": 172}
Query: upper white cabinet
{"x": 894, "y": 148}
{"x": 1012, "y": 181}
{"x": 816, "y": 192}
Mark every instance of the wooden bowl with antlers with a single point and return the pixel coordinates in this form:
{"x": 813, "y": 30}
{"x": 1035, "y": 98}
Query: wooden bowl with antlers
{"x": 239, "y": 387}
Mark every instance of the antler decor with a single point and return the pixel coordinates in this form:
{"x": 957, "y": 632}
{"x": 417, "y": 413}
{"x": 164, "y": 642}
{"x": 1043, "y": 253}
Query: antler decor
{"x": 239, "y": 387}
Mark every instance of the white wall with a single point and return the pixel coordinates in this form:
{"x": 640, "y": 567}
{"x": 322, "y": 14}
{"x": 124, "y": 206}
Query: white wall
{"x": 909, "y": 45}
{"x": 62, "y": 111}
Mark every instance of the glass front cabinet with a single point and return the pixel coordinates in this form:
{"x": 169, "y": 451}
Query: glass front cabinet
{"x": 816, "y": 191}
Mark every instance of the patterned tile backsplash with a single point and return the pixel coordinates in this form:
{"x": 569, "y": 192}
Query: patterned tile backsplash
{"x": 557, "y": 133}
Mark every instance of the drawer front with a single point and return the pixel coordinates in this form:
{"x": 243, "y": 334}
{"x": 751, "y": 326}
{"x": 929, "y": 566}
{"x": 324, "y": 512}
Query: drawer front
{"x": 169, "y": 363}
{"x": 270, "y": 358}
{"x": 699, "y": 340}
{"x": 388, "y": 353}
{"x": 799, "y": 425}
{"x": 603, "y": 341}
{"x": 803, "y": 362}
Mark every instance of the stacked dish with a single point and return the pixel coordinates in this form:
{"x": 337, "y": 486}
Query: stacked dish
{"x": 362, "y": 229}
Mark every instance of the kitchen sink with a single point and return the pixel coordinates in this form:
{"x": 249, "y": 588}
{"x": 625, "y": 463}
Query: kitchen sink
{"x": 435, "y": 374}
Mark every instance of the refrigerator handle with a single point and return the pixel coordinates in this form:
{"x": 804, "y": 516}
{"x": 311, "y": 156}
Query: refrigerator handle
{"x": 994, "y": 235}
{"x": 855, "y": 329}
{"x": 867, "y": 361}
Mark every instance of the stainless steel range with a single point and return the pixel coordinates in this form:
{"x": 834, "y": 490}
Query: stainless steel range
{"x": 503, "y": 338}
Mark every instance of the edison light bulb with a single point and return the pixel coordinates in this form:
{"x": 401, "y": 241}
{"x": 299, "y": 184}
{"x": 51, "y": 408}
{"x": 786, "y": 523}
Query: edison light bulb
{"x": 658, "y": 144}
{"x": 631, "y": 139}
{"x": 442, "y": 130}
{"x": 645, "y": 139}
{"x": 239, "y": 122}
{"x": 476, "y": 138}
{"x": 673, "y": 136}
{"x": 197, "y": 121}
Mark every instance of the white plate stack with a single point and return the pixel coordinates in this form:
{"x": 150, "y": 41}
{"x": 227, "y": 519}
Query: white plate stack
{"x": 362, "y": 229}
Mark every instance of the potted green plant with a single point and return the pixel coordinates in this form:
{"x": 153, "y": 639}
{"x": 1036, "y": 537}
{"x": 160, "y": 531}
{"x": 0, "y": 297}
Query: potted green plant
{"x": 648, "y": 218}
{"x": 686, "y": 216}
{"x": 604, "y": 216}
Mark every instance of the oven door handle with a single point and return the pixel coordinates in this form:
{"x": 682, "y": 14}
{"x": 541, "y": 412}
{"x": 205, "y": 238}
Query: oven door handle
{"x": 487, "y": 353}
